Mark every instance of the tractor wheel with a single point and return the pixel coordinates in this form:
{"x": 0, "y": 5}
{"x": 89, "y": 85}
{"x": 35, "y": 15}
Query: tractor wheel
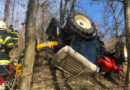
{"x": 81, "y": 24}
{"x": 121, "y": 51}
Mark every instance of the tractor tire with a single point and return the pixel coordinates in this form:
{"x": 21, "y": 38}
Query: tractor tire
{"x": 121, "y": 51}
{"x": 81, "y": 24}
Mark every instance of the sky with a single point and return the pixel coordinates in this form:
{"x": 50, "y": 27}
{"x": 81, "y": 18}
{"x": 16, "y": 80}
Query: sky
{"x": 93, "y": 10}
{"x": 2, "y": 8}
{"x": 18, "y": 11}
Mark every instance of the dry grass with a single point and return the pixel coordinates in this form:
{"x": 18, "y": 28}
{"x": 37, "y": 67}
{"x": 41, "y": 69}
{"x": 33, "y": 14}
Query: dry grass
{"x": 46, "y": 77}
{"x": 14, "y": 53}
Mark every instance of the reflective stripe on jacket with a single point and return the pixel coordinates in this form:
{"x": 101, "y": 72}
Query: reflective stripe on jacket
{"x": 6, "y": 39}
{"x": 4, "y": 62}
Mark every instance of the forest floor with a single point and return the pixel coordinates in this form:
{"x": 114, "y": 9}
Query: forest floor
{"x": 46, "y": 77}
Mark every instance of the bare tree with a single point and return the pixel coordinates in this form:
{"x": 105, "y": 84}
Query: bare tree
{"x": 12, "y": 18}
{"x": 30, "y": 41}
{"x": 61, "y": 13}
{"x": 64, "y": 8}
{"x": 112, "y": 17}
{"x": 113, "y": 10}
{"x": 21, "y": 38}
{"x": 127, "y": 29}
{"x": 47, "y": 10}
{"x": 6, "y": 11}
{"x": 40, "y": 27}
{"x": 73, "y": 5}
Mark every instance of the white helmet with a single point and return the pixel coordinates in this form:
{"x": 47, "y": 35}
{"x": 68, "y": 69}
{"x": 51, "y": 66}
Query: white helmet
{"x": 3, "y": 25}
{"x": 15, "y": 29}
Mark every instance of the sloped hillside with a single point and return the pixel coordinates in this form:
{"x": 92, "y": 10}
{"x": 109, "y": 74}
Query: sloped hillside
{"x": 47, "y": 77}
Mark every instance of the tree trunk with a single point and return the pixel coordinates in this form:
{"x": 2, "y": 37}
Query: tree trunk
{"x": 112, "y": 6}
{"x": 127, "y": 28}
{"x": 13, "y": 13}
{"x": 6, "y": 11}
{"x": 73, "y": 5}
{"x": 21, "y": 38}
{"x": 61, "y": 13}
{"x": 30, "y": 41}
{"x": 40, "y": 27}
{"x": 116, "y": 21}
{"x": 64, "y": 11}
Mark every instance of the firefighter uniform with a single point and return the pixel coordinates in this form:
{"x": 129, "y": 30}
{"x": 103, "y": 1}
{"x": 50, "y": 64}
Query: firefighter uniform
{"x": 6, "y": 40}
{"x": 14, "y": 33}
{"x": 4, "y": 62}
{"x": 15, "y": 36}
{"x": 4, "y": 67}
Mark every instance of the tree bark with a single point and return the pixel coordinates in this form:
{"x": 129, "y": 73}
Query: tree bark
{"x": 30, "y": 41}
{"x": 6, "y": 11}
{"x": 40, "y": 27}
{"x": 64, "y": 11}
{"x": 21, "y": 38}
{"x": 73, "y": 5}
{"x": 13, "y": 13}
{"x": 116, "y": 21}
{"x": 61, "y": 13}
{"x": 112, "y": 6}
{"x": 127, "y": 28}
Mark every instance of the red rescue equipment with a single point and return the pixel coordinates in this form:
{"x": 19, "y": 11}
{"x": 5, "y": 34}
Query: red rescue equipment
{"x": 107, "y": 64}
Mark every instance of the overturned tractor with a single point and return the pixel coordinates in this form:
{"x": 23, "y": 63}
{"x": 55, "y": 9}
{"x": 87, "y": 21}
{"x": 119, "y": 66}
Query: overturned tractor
{"x": 79, "y": 49}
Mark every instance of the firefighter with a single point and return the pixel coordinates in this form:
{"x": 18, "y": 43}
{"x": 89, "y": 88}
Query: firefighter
{"x": 14, "y": 33}
{"x": 4, "y": 66}
{"x": 10, "y": 29}
{"x": 15, "y": 36}
{"x": 6, "y": 44}
{"x": 6, "y": 40}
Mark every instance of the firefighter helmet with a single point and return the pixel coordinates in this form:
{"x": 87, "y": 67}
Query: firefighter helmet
{"x": 2, "y": 25}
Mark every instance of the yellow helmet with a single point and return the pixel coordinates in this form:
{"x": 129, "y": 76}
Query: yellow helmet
{"x": 3, "y": 25}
